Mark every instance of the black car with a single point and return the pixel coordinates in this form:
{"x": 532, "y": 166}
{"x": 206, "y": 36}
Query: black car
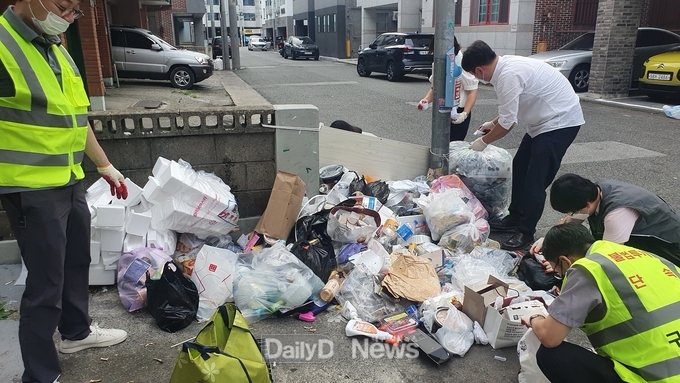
{"x": 397, "y": 54}
{"x": 217, "y": 46}
{"x": 300, "y": 47}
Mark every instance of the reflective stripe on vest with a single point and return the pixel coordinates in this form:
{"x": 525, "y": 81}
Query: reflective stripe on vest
{"x": 44, "y": 126}
{"x": 636, "y": 318}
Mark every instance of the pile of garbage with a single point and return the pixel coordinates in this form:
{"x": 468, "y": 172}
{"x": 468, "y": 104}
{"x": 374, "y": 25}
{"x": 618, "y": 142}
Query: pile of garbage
{"x": 401, "y": 260}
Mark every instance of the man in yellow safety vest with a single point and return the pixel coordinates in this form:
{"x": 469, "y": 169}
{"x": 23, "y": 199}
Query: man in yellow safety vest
{"x": 44, "y": 136}
{"x": 626, "y": 300}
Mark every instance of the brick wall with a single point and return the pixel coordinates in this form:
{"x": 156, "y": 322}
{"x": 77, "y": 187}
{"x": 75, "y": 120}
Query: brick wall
{"x": 89, "y": 39}
{"x": 554, "y": 24}
{"x": 164, "y": 18}
{"x": 617, "y": 23}
{"x": 103, "y": 40}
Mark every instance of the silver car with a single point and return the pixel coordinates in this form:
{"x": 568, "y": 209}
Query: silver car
{"x": 138, "y": 53}
{"x": 573, "y": 59}
{"x": 257, "y": 42}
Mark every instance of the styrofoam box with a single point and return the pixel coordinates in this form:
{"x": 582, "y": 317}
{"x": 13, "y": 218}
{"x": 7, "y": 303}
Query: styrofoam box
{"x": 160, "y": 166}
{"x": 111, "y": 216}
{"x": 134, "y": 195}
{"x": 153, "y": 193}
{"x": 132, "y": 242}
{"x": 95, "y": 252}
{"x": 110, "y": 259}
{"x": 101, "y": 277}
{"x": 112, "y": 239}
{"x": 172, "y": 180}
{"x": 137, "y": 223}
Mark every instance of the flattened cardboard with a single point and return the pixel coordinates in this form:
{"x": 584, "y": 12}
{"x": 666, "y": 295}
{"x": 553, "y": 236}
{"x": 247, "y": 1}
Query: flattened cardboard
{"x": 476, "y": 302}
{"x": 283, "y": 207}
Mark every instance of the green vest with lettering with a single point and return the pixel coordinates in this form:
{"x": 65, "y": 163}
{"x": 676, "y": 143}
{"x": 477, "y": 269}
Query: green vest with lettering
{"x": 640, "y": 331}
{"x": 43, "y": 127}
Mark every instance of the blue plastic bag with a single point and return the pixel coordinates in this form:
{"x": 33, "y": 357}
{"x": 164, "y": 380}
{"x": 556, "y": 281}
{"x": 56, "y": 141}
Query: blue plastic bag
{"x": 672, "y": 111}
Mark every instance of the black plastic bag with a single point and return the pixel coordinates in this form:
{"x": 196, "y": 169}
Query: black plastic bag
{"x": 172, "y": 300}
{"x": 533, "y": 274}
{"x": 357, "y": 184}
{"x": 313, "y": 227}
{"x": 377, "y": 189}
{"x": 312, "y": 254}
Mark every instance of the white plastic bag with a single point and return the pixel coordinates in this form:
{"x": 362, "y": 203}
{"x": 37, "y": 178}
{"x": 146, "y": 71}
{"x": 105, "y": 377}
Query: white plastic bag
{"x": 529, "y": 372}
{"x": 444, "y": 211}
{"x": 480, "y": 335}
{"x": 213, "y": 276}
{"x": 464, "y": 238}
{"x": 455, "y": 333}
{"x": 672, "y": 111}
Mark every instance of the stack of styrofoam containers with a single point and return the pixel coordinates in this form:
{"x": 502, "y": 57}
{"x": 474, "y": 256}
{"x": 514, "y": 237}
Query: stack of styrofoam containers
{"x": 188, "y": 202}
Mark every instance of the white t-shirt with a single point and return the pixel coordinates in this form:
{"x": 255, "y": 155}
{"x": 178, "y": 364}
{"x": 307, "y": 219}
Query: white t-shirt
{"x": 468, "y": 81}
{"x": 534, "y": 94}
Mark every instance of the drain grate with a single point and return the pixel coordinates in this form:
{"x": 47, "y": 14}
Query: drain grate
{"x": 148, "y": 104}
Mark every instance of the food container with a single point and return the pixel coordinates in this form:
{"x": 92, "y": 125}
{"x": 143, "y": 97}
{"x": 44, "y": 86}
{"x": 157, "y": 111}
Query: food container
{"x": 331, "y": 174}
{"x": 439, "y": 318}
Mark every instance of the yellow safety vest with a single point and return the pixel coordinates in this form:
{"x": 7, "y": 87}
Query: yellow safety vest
{"x": 43, "y": 128}
{"x": 640, "y": 331}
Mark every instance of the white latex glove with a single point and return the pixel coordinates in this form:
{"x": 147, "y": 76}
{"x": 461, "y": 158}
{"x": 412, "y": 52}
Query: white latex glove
{"x": 537, "y": 246}
{"x": 486, "y": 126}
{"x": 423, "y": 104}
{"x": 116, "y": 181}
{"x": 462, "y": 116}
{"x": 478, "y": 145}
{"x": 525, "y": 317}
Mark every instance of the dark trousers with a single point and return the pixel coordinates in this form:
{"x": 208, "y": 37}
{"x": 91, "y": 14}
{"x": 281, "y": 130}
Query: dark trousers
{"x": 52, "y": 228}
{"x": 533, "y": 169}
{"x": 458, "y": 132}
{"x": 668, "y": 251}
{"x": 570, "y": 363}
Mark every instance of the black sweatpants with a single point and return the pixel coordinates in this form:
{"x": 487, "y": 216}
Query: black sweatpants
{"x": 457, "y": 132}
{"x": 533, "y": 169}
{"x": 52, "y": 228}
{"x": 569, "y": 363}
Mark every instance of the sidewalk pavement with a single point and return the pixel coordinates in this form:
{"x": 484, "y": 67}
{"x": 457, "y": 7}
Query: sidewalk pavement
{"x": 148, "y": 354}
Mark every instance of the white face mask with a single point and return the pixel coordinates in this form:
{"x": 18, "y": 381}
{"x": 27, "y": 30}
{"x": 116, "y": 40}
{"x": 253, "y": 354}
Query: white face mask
{"x": 52, "y": 25}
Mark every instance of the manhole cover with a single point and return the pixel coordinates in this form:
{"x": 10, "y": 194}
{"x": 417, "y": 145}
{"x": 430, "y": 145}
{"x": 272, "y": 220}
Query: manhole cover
{"x": 148, "y": 104}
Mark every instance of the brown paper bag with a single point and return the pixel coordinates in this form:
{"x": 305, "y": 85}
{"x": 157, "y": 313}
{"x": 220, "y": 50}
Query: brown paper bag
{"x": 283, "y": 207}
{"x": 413, "y": 278}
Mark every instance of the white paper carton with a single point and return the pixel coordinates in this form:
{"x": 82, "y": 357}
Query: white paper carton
{"x": 137, "y": 223}
{"x": 95, "y": 252}
{"x": 134, "y": 195}
{"x": 110, "y": 216}
{"x": 112, "y": 239}
{"x": 502, "y": 332}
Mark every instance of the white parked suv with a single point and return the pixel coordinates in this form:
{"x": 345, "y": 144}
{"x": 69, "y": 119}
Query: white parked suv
{"x": 257, "y": 42}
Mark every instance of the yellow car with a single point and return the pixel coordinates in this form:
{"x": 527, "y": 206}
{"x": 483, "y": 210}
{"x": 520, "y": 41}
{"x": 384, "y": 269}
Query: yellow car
{"x": 661, "y": 78}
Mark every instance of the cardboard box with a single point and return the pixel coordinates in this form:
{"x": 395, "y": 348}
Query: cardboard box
{"x": 437, "y": 258}
{"x": 110, "y": 216}
{"x": 283, "y": 207}
{"x": 476, "y": 301}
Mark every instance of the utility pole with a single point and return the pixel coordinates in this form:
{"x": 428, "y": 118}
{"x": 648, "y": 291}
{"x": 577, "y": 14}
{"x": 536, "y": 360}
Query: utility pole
{"x": 212, "y": 21}
{"x": 233, "y": 32}
{"x": 444, "y": 12}
{"x": 223, "y": 32}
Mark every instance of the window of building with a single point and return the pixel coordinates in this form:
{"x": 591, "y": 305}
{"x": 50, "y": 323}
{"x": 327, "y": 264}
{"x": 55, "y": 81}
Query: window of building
{"x": 318, "y": 24}
{"x": 283, "y": 10}
{"x": 216, "y": 2}
{"x": 333, "y": 23}
{"x": 489, "y": 12}
{"x": 585, "y": 12}
{"x": 248, "y": 2}
{"x": 217, "y": 16}
{"x": 249, "y": 17}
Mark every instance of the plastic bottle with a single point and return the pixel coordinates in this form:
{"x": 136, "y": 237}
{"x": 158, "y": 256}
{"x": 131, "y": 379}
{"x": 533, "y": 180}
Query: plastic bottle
{"x": 388, "y": 233}
{"x": 332, "y": 286}
{"x": 405, "y": 231}
{"x": 356, "y": 327}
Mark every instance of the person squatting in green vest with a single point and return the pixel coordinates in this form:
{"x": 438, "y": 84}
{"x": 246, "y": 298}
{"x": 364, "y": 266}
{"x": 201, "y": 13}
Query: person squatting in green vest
{"x": 619, "y": 212}
{"x": 627, "y": 301}
{"x": 45, "y": 135}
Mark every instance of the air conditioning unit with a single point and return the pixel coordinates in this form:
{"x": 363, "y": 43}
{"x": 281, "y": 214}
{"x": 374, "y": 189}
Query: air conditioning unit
{"x": 395, "y": 15}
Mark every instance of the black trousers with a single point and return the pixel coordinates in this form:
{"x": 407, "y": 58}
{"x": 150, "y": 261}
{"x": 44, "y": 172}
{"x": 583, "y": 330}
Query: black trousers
{"x": 458, "y": 132}
{"x": 533, "y": 169}
{"x": 669, "y": 251}
{"x": 569, "y": 363}
{"x": 52, "y": 228}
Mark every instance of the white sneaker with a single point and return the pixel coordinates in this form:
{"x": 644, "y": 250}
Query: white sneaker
{"x": 99, "y": 337}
